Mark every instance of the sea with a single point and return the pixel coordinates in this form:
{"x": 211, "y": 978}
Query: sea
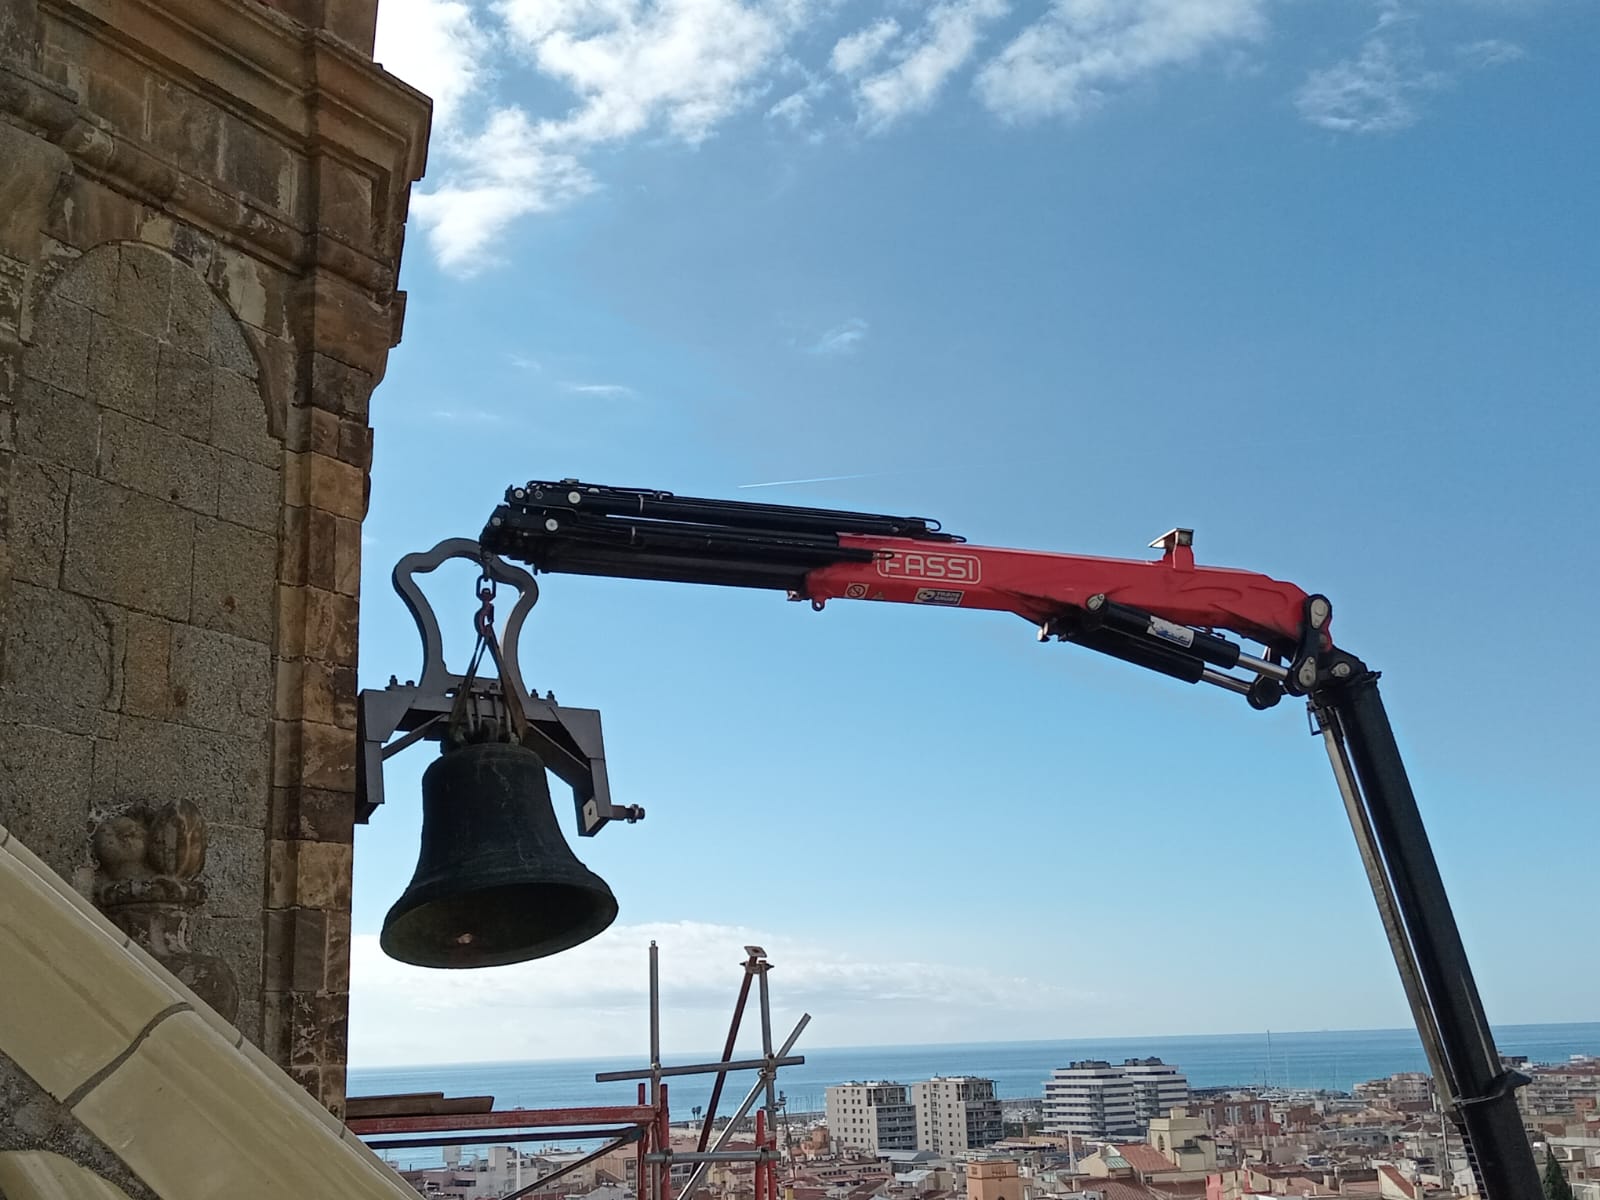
{"x": 1329, "y": 1059}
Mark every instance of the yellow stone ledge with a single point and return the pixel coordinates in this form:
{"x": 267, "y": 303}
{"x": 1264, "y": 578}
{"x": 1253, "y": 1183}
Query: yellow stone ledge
{"x": 191, "y": 1108}
{"x": 40, "y": 1175}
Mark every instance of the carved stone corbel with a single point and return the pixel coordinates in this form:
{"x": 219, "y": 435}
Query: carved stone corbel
{"x": 149, "y": 885}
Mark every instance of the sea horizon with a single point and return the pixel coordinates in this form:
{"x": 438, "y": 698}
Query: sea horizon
{"x": 999, "y": 1043}
{"x": 1333, "y": 1060}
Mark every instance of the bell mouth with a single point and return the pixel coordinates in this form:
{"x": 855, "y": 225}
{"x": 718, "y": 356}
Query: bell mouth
{"x": 495, "y": 926}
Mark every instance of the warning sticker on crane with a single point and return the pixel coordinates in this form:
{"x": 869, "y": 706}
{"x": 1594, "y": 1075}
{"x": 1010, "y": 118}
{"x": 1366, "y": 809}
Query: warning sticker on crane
{"x": 1170, "y": 631}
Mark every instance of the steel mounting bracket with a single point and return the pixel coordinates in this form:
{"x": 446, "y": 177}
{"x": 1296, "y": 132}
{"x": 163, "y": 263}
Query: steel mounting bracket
{"x": 568, "y": 739}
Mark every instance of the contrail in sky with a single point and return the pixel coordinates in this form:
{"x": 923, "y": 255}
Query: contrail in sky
{"x": 945, "y": 469}
{"x": 818, "y": 479}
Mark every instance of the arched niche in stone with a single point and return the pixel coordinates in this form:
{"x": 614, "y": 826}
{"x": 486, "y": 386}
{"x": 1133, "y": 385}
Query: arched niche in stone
{"x": 143, "y": 530}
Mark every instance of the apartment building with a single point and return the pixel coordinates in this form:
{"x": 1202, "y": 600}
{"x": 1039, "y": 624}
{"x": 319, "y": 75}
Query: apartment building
{"x": 1572, "y": 1086}
{"x": 871, "y": 1116}
{"x": 1406, "y": 1087}
{"x": 1097, "y": 1099}
{"x": 956, "y": 1113}
{"x": 1232, "y": 1111}
{"x": 1158, "y": 1088}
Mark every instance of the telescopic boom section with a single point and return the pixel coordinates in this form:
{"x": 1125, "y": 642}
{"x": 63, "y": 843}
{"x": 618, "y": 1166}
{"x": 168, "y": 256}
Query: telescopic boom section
{"x": 1166, "y": 614}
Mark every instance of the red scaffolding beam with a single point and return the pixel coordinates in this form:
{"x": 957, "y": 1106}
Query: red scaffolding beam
{"x": 507, "y": 1118}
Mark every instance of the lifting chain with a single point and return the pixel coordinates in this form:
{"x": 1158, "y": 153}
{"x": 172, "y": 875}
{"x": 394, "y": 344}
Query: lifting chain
{"x": 506, "y": 721}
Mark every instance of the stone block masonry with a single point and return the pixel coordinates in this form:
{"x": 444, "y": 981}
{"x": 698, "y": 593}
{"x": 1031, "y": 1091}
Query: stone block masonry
{"x": 201, "y": 216}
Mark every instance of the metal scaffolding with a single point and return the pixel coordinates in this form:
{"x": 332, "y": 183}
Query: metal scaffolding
{"x": 646, "y": 1126}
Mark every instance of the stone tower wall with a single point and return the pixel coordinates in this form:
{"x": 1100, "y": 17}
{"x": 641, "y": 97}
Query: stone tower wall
{"x": 202, "y": 206}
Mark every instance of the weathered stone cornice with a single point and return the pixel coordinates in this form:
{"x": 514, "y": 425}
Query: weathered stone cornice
{"x": 264, "y": 67}
{"x": 302, "y": 89}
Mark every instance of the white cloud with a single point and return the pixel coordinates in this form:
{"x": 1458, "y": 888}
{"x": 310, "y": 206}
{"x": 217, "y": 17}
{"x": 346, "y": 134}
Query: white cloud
{"x": 480, "y": 180}
{"x": 793, "y": 109}
{"x": 678, "y": 67}
{"x": 1383, "y": 87}
{"x": 859, "y": 50}
{"x": 1491, "y": 52}
{"x": 600, "y": 389}
{"x": 436, "y": 46}
{"x": 636, "y": 65}
{"x": 924, "y": 61}
{"x": 1065, "y": 63}
{"x": 1378, "y": 91}
{"x": 523, "y": 362}
{"x": 592, "y": 1000}
{"x": 504, "y": 172}
{"x": 467, "y": 416}
{"x": 843, "y": 338}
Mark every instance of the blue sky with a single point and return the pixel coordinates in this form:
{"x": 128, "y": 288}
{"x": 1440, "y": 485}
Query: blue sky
{"x": 1321, "y": 280}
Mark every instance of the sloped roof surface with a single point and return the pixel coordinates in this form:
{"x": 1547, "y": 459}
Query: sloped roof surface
{"x": 175, "y": 1092}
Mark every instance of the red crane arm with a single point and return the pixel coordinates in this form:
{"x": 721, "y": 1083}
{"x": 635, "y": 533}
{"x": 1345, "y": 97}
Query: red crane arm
{"x": 1168, "y": 615}
{"x": 1041, "y": 586}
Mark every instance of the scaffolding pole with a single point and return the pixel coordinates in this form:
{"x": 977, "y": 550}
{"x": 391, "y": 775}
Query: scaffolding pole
{"x": 657, "y": 1159}
{"x": 727, "y": 1049}
{"x": 749, "y": 1102}
{"x": 646, "y": 1124}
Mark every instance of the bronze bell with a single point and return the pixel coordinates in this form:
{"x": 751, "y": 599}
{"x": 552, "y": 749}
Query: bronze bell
{"x": 496, "y": 882}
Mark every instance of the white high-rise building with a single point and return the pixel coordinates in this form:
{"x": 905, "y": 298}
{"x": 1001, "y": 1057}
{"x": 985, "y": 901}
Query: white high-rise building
{"x": 871, "y": 1116}
{"x": 1091, "y": 1098}
{"x": 956, "y": 1113}
{"x": 1096, "y": 1099}
{"x": 1158, "y": 1088}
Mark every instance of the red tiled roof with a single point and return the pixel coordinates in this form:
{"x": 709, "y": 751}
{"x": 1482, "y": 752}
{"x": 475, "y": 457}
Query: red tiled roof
{"x": 1119, "y": 1189}
{"x": 1178, "y": 1187}
{"x": 1144, "y": 1158}
{"x": 1114, "y": 1189}
{"x": 1406, "y": 1187}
